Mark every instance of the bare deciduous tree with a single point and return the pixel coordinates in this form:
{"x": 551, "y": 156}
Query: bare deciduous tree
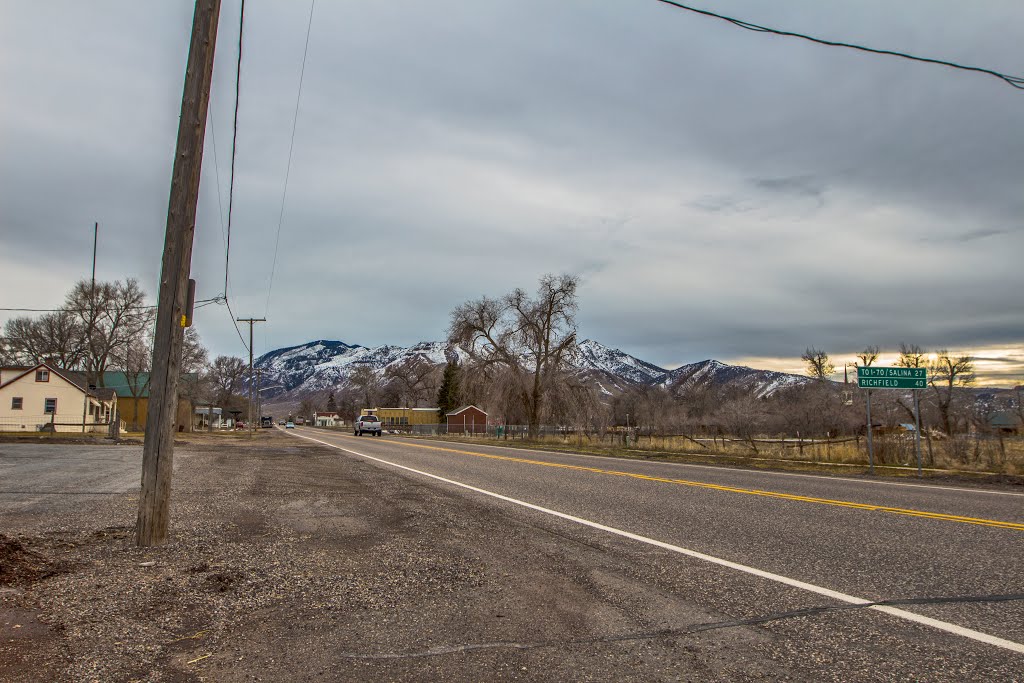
{"x": 946, "y": 374}
{"x": 54, "y": 337}
{"x": 368, "y": 386}
{"x": 227, "y": 376}
{"x": 819, "y": 365}
{"x": 111, "y": 314}
{"x": 868, "y": 356}
{"x": 415, "y": 381}
{"x": 911, "y": 356}
{"x": 530, "y": 336}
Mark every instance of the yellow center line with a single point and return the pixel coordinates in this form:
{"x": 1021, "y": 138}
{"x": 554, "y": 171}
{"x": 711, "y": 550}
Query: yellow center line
{"x": 736, "y": 489}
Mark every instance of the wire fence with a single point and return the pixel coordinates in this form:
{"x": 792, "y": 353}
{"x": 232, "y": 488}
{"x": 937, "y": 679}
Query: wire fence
{"x": 980, "y": 449}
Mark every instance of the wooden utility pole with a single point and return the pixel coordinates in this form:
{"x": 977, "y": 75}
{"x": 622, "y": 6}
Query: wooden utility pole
{"x": 251, "y": 321}
{"x": 259, "y": 397}
{"x": 158, "y": 450}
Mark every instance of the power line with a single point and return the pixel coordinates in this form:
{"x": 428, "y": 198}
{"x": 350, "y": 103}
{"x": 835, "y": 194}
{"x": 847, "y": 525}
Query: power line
{"x": 216, "y": 170}
{"x": 234, "y": 146}
{"x": 216, "y": 299}
{"x": 291, "y": 147}
{"x": 1014, "y": 81}
{"x": 231, "y": 183}
{"x": 235, "y": 323}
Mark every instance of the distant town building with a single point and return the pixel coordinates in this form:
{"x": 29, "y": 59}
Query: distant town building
{"x": 467, "y": 419}
{"x": 1005, "y": 421}
{"x": 327, "y": 418}
{"x": 403, "y": 417}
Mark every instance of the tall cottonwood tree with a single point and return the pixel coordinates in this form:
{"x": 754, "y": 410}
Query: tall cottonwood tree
{"x": 868, "y": 356}
{"x": 819, "y": 365}
{"x": 56, "y": 337}
{"x": 227, "y": 375}
{"x": 112, "y": 315}
{"x": 531, "y": 338}
{"x": 414, "y": 381}
{"x": 947, "y": 374}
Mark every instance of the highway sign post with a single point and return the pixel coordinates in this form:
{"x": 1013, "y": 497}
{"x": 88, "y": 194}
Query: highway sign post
{"x": 869, "y": 378}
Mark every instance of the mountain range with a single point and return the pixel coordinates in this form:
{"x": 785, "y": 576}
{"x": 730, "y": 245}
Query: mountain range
{"x": 293, "y": 373}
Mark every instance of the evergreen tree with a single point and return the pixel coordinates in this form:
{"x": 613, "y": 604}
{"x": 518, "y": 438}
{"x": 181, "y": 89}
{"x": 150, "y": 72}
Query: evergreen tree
{"x": 449, "y": 396}
{"x": 332, "y": 406}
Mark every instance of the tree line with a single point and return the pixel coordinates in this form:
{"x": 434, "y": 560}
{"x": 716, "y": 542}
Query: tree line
{"x": 107, "y": 326}
{"x": 516, "y": 356}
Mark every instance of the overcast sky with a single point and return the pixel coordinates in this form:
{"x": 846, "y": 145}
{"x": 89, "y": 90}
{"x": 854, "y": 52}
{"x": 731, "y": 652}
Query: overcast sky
{"x": 722, "y": 193}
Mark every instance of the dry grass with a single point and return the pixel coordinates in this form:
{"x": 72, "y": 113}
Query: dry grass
{"x": 894, "y": 454}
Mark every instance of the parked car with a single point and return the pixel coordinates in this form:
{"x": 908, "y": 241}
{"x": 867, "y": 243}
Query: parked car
{"x": 289, "y": 425}
{"x": 367, "y": 423}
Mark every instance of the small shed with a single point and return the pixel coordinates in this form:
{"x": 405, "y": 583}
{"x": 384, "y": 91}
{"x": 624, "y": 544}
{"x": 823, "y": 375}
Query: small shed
{"x": 467, "y": 420}
{"x": 1005, "y": 421}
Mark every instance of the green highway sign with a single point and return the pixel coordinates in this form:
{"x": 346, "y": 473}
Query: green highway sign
{"x": 892, "y": 378}
{"x": 891, "y": 383}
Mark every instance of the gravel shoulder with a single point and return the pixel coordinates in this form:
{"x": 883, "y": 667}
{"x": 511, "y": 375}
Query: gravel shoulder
{"x": 290, "y": 561}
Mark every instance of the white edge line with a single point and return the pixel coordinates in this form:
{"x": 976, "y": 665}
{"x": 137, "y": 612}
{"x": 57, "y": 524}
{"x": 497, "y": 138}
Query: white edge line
{"x": 778, "y": 578}
{"x": 726, "y": 468}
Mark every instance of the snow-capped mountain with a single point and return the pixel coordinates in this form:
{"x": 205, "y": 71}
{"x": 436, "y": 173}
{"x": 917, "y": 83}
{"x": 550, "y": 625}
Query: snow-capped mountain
{"x": 592, "y": 355}
{"x": 324, "y": 365}
{"x": 707, "y": 373}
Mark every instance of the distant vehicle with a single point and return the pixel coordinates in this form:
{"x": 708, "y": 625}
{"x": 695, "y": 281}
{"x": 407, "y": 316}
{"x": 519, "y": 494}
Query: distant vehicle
{"x": 267, "y": 422}
{"x": 239, "y": 425}
{"x": 289, "y": 425}
{"x": 367, "y": 423}
{"x": 280, "y": 422}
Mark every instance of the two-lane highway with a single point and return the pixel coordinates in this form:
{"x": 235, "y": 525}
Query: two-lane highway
{"x": 923, "y": 572}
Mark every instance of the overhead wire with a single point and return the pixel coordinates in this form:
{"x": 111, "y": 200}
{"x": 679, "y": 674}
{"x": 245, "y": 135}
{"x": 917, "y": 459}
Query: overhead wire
{"x": 205, "y": 302}
{"x": 231, "y": 183}
{"x": 288, "y": 166}
{"x": 234, "y": 147}
{"x": 1013, "y": 81}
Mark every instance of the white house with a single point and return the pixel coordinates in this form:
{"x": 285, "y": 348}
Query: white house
{"x": 43, "y": 398}
{"x": 325, "y": 419}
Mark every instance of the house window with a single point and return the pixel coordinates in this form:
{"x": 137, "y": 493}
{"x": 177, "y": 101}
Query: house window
{"x": 50, "y": 406}
{"x": 42, "y": 375}
{"x": 16, "y": 402}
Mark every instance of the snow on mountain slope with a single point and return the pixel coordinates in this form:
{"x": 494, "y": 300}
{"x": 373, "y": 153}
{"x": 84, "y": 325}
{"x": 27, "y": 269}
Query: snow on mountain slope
{"x": 324, "y": 365}
{"x": 592, "y": 355}
{"x": 715, "y": 373}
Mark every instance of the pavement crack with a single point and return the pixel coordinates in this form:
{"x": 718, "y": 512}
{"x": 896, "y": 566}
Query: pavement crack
{"x": 673, "y": 632}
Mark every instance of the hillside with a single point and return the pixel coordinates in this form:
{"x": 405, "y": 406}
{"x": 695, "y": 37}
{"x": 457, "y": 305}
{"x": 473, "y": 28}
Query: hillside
{"x": 324, "y": 365}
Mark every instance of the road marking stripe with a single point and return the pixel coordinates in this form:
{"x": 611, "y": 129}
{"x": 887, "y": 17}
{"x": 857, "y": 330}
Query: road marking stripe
{"x": 999, "y": 524}
{"x": 778, "y": 578}
{"x": 720, "y": 468}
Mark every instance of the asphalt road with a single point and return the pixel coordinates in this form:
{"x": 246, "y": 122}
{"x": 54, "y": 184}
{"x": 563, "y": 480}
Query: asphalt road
{"x": 800, "y": 561}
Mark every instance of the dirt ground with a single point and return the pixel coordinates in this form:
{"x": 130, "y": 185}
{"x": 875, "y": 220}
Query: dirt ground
{"x": 292, "y": 562}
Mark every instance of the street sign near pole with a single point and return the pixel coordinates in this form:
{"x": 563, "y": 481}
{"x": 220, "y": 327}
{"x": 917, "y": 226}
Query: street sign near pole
{"x": 892, "y": 378}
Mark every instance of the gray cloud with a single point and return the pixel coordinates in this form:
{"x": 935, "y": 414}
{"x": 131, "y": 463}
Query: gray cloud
{"x": 723, "y": 193}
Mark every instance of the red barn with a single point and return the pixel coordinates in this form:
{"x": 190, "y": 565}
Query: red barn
{"x": 467, "y": 419}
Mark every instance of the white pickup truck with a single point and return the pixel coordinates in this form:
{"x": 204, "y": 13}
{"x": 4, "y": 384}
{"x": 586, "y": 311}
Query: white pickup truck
{"x": 369, "y": 424}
